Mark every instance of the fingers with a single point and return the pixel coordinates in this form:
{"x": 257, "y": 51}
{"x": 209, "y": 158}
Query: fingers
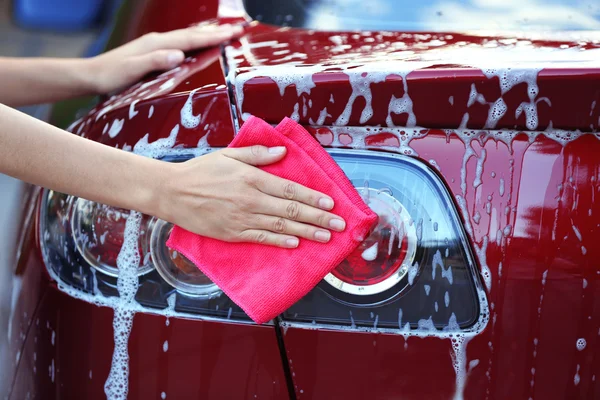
{"x": 274, "y": 185}
{"x": 138, "y": 66}
{"x": 269, "y": 238}
{"x": 190, "y": 38}
{"x": 287, "y": 227}
{"x": 285, "y": 189}
{"x": 299, "y": 212}
{"x": 255, "y": 155}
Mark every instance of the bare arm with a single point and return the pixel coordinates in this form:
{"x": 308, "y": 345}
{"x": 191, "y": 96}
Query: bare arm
{"x": 44, "y": 155}
{"x": 220, "y": 195}
{"x": 41, "y": 80}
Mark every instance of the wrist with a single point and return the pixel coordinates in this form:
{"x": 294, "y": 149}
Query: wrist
{"x": 88, "y": 75}
{"x": 159, "y": 191}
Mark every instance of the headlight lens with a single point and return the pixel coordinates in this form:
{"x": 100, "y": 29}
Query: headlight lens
{"x": 98, "y": 231}
{"x": 81, "y": 241}
{"x": 174, "y": 268}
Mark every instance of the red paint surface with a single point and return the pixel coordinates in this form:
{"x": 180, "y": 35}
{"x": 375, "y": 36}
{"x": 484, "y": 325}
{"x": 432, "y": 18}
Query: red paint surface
{"x": 570, "y": 92}
{"x": 204, "y": 359}
{"x": 548, "y": 190}
{"x": 380, "y": 366}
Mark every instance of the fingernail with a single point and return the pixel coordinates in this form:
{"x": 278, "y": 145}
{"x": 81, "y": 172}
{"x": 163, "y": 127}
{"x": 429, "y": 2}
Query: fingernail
{"x": 325, "y": 203}
{"x": 337, "y": 224}
{"x": 277, "y": 150}
{"x": 322, "y": 236}
{"x": 292, "y": 242}
{"x": 175, "y": 58}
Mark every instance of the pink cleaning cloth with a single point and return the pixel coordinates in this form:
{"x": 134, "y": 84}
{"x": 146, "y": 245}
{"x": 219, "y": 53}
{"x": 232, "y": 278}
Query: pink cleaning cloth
{"x": 265, "y": 280}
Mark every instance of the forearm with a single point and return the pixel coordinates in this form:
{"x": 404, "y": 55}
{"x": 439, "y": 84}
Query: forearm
{"x": 41, "y": 154}
{"x": 43, "y": 80}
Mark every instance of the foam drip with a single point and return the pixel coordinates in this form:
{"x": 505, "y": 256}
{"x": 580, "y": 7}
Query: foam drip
{"x": 116, "y": 386}
{"x": 188, "y": 119}
{"x": 115, "y": 128}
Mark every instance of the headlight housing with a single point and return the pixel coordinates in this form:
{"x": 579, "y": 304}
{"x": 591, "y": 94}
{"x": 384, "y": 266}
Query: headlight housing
{"x": 415, "y": 268}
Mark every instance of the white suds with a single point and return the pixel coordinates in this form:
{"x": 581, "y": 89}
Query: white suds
{"x": 370, "y": 254}
{"x": 157, "y": 148}
{"x": 188, "y": 119}
{"x": 150, "y": 111}
{"x": 167, "y": 85}
{"x": 437, "y": 261}
{"x": 116, "y": 386}
{"x": 412, "y": 272}
{"x": 132, "y": 111}
{"x": 116, "y": 127}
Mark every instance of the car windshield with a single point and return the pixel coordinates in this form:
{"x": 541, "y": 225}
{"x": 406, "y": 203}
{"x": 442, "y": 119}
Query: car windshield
{"x": 429, "y": 15}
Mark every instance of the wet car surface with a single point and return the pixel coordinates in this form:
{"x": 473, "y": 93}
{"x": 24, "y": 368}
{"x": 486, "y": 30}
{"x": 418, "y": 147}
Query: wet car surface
{"x": 478, "y": 151}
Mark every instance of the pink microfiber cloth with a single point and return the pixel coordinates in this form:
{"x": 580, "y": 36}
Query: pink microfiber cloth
{"x": 264, "y": 280}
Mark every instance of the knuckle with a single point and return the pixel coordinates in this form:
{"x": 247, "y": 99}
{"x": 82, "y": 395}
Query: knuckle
{"x": 188, "y": 42}
{"x": 158, "y": 59}
{"x": 150, "y": 37}
{"x": 322, "y": 219}
{"x": 250, "y": 178}
{"x": 309, "y": 232}
{"x": 289, "y": 190}
{"x": 260, "y": 237}
{"x": 279, "y": 225}
{"x": 248, "y": 203}
{"x": 256, "y": 150}
{"x": 293, "y": 210}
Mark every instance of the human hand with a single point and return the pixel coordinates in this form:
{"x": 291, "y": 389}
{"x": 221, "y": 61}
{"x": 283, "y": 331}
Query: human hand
{"x": 128, "y": 63}
{"x": 223, "y": 195}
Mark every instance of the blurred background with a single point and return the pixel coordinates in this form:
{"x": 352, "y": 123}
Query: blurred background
{"x": 39, "y": 28}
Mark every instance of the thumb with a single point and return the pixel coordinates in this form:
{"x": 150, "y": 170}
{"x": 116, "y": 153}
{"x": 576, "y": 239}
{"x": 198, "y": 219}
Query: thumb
{"x": 256, "y": 155}
{"x": 157, "y": 60}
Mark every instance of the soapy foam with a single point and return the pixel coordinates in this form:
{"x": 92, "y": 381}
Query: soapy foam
{"x": 370, "y": 254}
{"x": 437, "y": 261}
{"x": 157, "y": 148}
{"x": 116, "y": 127}
{"x": 116, "y": 386}
{"x": 132, "y": 111}
{"x": 188, "y": 119}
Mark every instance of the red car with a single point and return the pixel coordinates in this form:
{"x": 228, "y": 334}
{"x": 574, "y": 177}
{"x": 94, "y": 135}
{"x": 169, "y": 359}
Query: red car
{"x": 477, "y": 146}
